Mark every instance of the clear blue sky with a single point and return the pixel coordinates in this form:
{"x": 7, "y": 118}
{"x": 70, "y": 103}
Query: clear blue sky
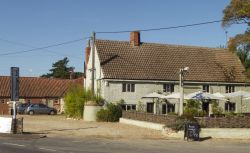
{"x": 29, "y": 24}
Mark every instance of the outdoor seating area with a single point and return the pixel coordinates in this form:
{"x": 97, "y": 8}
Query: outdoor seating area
{"x": 225, "y": 102}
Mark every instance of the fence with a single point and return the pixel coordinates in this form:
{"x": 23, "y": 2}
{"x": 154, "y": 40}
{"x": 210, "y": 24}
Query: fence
{"x": 148, "y": 117}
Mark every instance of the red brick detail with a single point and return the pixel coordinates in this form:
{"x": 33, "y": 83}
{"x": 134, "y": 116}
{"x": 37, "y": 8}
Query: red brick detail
{"x": 135, "y": 38}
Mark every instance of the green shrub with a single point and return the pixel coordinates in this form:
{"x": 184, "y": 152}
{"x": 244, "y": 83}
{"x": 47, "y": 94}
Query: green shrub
{"x": 216, "y": 110}
{"x": 202, "y": 113}
{"x": 229, "y": 114}
{"x": 102, "y": 115}
{"x": 75, "y": 99}
{"x": 181, "y": 121}
{"x": 111, "y": 114}
{"x": 192, "y": 108}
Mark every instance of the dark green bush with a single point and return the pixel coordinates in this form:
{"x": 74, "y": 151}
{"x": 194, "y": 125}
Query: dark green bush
{"x": 111, "y": 114}
{"x": 102, "y": 115}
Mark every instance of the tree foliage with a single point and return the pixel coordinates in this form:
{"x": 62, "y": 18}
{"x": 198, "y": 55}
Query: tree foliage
{"x": 75, "y": 99}
{"x": 60, "y": 69}
{"x": 238, "y": 11}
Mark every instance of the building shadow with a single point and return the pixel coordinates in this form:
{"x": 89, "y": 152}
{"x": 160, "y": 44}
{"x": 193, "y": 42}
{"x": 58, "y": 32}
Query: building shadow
{"x": 71, "y": 129}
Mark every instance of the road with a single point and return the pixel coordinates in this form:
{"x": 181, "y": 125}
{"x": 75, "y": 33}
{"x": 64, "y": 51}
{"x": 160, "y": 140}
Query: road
{"x": 102, "y": 145}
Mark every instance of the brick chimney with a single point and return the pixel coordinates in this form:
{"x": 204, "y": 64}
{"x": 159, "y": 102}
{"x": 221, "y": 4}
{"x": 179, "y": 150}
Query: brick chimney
{"x": 87, "y": 53}
{"x": 135, "y": 38}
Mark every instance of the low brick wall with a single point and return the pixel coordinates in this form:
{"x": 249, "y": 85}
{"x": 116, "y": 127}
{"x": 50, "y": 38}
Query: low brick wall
{"x": 148, "y": 117}
{"x": 205, "y": 122}
{"x": 224, "y": 122}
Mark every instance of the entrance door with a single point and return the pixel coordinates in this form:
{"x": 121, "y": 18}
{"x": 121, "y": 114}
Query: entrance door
{"x": 150, "y": 107}
{"x": 205, "y": 107}
{"x": 164, "y": 109}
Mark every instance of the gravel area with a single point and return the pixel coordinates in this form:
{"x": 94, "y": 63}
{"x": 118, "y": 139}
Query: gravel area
{"x": 59, "y": 126}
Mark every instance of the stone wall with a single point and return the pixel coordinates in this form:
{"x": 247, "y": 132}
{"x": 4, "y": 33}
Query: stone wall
{"x": 224, "y": 122}
{"x": 148, "y": 117}
{"x": 205, "y": 122}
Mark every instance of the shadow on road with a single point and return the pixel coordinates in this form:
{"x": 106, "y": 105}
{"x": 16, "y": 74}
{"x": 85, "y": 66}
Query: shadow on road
{"x": 50, "y": 130}
{"x": 205, "y": 138}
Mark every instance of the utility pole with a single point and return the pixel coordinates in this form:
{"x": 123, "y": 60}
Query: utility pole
{"x": 181, "y": 88}
{"x": 93, "y": 64}
{"x": 181, "y": 92}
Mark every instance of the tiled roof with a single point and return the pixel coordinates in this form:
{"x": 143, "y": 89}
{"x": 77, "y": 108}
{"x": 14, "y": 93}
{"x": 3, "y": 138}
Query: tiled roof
{"x": 34, "y": 87}
{"x": 149, "y": 61}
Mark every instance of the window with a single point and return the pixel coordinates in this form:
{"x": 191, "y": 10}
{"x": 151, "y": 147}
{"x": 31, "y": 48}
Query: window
{"x": 205, "y": 88}
{"x": 128, "y": 87}
{"x": 150, "y": 107}
{"x": 128, "y": 107}
{"x": 123, "y": 87}
{"x": 168, "y": 87}
{"x": 230, "y": 107}
{"x": 229, "y": 88}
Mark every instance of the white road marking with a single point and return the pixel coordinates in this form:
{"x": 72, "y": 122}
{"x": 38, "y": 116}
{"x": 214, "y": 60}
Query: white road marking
{"x": 13, "y": 144}
{"x": 47, "y": 149}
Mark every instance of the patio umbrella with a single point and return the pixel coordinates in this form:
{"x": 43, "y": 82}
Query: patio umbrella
{"x": 220, "y": 95}
{"x": 202, "y": 95}
{"x": 153, "y": 95}
{"x": 240, "y": 94}
{"x": 175, "y": 95}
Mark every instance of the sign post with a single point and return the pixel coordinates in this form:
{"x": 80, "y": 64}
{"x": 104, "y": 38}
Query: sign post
{"x": 14, "y": 93}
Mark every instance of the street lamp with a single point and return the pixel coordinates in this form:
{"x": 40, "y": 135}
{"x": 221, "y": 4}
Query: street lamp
{"x": 182, "y": 72}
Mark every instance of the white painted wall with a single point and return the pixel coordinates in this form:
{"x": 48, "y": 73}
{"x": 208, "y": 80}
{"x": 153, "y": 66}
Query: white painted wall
{"x": 113, "y": 92}
{"x": 98, "y": 72}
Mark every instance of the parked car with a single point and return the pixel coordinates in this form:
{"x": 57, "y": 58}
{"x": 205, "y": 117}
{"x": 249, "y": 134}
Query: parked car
{"x": 21, "y": 107}
{"x": 40, "y": 109}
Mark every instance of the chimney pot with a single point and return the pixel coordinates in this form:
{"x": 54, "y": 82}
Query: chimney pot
{"x": 135, "y": 38}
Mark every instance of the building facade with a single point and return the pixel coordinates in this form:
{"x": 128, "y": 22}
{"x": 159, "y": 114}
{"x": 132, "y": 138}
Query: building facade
{"x": 129, "y": 70}
{"x": 37, "y": 90}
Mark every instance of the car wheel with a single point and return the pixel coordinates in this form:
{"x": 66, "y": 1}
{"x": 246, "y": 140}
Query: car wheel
{"x": 31, "y": 112}
{"x": 52, "y": 113}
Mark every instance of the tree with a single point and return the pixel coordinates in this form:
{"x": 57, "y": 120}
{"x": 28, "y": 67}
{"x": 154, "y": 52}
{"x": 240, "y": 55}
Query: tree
{"x": 60, "y": 69}
{"x": 238, "y": 11}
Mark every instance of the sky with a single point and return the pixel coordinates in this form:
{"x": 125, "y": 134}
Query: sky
{"x": 29, "y": 24}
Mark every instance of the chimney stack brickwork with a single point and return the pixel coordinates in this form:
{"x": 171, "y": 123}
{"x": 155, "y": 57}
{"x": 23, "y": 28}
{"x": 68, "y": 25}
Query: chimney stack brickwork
{"x": 135, "y": 38}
